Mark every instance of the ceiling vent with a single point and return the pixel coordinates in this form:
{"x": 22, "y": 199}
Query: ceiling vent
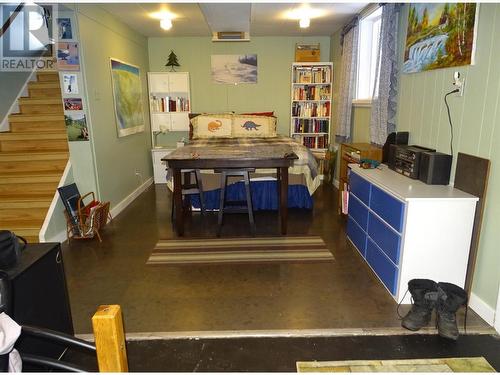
{"x": 230, "y": 36}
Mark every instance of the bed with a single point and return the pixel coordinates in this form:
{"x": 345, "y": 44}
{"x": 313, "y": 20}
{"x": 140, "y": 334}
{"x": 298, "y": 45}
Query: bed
{"x": 303, "y": 175}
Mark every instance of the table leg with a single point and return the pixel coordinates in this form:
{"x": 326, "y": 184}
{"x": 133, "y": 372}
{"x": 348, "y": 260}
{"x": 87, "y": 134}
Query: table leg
{"x": 283, "y": 181}
{"x": 179, "y": 209}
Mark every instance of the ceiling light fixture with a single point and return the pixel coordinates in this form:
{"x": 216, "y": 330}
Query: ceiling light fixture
{"x": 166, "y": 23}
{"x": 304, "y": 23}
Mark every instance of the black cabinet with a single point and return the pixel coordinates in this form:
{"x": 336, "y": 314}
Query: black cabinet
{"x": 40, "y": 296}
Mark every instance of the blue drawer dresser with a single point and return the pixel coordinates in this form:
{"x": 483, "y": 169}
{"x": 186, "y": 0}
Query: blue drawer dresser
{"x": 405, "y": 229}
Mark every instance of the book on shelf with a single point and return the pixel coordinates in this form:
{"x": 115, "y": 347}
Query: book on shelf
{"x": 169, "y": 104}
{"x": 311, "y": 109}
{"x": 312, "y": 74}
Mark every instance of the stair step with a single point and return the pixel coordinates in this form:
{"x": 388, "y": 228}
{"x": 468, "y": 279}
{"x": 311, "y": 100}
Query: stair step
{"x": 40, "y": 105}
{"x": 16, "y": 186}
{"x": 29, "y": 233}
{"x": 25, "y": 202}
{"x": 25, "y": 213}
{"x": 38, "y": 123}
{"x": 21, "y": 117}
{"x": 30, "y": 179}
{"x": 37, "y": 167}
{"x": 47, "y": 76}
{"x": 33, "y": 156}
{"x": 43, "y": 85}
{"x": 29, "y": 226}
{"x": 44, "y": 89}
{"x": 49, "y": 140}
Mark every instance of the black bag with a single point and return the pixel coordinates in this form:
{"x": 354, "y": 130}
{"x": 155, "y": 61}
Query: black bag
{"x": 10, "y": 248}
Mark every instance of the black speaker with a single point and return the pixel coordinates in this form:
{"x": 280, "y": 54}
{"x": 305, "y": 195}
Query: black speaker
{"x": 399, "y": 138}
{"x": 435, "y": 168}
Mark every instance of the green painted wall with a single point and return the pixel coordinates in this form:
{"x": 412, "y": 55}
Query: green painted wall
{"x": 271, "y": 93}
{"x": 476, "y": 119}
{"x": 102, "y": 36}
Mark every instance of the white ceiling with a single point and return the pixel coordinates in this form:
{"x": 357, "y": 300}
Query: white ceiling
{"x": 266, "y": 19}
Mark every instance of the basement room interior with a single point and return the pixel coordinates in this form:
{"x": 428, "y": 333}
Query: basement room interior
{"x": 249, "y": 187}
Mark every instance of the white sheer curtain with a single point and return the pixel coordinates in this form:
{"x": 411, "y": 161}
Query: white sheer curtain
{"x": 347, "y": 81}
{"x": 384, "y": 99}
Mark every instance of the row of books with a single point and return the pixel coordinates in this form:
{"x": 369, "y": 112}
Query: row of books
{"x": 311, "y": 109}
{"x": 314, "y": 74}
{"x": 302, "y": 125}
{"x": 315, "y": 142}
{"x": 311, "y": 93}
{"x": 169, "y": 104}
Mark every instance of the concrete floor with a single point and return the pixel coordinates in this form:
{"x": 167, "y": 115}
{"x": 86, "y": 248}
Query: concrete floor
{"x": 341, "y": 296}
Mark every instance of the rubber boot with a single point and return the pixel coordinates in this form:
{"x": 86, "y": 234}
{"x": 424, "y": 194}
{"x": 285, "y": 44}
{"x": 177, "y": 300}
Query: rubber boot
{"x": 450, "y": 298}
{"x": 423, "y": 293}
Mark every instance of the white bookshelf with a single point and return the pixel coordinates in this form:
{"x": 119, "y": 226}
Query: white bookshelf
{"x": 169, "y": 101}
{"x": 311, "y": 104}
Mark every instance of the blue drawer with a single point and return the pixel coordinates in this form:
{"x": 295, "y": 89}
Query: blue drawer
{"x": 382, "y": 266}
{"x": 356, "y": 235}
{"x": 385, "y": 237}
{"x": 358, "y": 211}
{"x": 387, "y": 207}
{"x": 360, "y": 188}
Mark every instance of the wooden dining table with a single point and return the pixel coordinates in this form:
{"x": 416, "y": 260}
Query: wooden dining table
{"x": 270, "y": 156}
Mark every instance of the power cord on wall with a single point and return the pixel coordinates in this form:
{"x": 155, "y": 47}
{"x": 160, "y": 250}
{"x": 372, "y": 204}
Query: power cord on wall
{"x": 449, "y": 117}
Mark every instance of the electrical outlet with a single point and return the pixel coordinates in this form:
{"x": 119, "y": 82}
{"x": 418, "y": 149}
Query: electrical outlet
{"x": 459, "y": 83}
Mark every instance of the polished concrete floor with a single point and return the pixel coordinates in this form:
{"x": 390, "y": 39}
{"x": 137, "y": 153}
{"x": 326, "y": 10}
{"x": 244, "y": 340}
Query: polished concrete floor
{"x": 340, "y": 296}
{"x": 271, "y": 354}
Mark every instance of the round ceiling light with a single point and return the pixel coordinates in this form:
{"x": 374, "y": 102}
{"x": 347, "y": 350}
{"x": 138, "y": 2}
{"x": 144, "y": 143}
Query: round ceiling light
{"x": 166, "y": 23}
{"x": 304, "y": 23}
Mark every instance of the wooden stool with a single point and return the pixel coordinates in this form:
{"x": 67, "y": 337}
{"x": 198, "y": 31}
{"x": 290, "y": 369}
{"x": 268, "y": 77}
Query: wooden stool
{"x": 189, "y": 188}
{"x": 235, "y": 206}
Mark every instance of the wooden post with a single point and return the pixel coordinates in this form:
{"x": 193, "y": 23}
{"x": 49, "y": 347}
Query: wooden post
{"x": 110, "y": 339}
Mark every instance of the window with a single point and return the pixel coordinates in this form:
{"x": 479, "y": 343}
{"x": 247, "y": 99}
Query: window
{"x": 369, "y": 32}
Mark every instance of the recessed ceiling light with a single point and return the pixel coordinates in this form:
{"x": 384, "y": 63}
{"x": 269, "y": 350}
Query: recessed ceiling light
{"x": 304, "y": 23}
{"x": 166, "y": 24}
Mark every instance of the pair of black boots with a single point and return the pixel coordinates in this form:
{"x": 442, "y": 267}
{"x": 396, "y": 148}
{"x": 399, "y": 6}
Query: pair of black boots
{"x": 428, "y": 295}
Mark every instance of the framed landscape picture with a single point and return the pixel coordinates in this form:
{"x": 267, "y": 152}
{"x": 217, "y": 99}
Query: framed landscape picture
{"x": 127, "y": 95}
{"x": 234, "y": 69}
{"x": 76, "y": 126}
{"x": 440, "y": 35}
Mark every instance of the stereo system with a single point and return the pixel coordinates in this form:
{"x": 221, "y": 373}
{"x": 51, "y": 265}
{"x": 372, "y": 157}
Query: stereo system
{"x": 421, "y": 163}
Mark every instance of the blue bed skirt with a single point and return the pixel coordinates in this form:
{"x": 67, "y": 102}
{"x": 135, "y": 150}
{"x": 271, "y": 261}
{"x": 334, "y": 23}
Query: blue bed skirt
{"x": 264, "y": 196}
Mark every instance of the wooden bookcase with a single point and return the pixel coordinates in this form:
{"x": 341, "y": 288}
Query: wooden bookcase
{"x": 311, "y": 103}
{"x": 353, "y": 153}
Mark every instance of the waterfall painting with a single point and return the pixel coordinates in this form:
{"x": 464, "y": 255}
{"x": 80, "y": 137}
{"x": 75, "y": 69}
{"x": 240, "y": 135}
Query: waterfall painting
{"x": 439, "y": 36}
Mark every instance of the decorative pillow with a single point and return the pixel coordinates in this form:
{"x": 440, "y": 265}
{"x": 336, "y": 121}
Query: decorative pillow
{"x": 212, "y": 126}
{"x": 254, "y": 126}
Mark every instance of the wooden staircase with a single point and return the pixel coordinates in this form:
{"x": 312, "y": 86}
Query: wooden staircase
{"x": 33, "y": 155}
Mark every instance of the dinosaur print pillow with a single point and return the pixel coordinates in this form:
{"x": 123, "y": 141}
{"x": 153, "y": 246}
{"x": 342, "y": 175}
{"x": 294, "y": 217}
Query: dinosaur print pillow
{"x": 212, "y": 126}
{"x": 245, "y": 126}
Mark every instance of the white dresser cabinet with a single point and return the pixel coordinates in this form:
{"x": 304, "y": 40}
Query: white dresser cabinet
{"x": 159, "y": 167}
{"x": 405, "y": 229}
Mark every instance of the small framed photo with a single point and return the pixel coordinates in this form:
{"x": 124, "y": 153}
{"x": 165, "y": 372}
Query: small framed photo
{"x": 68, "y": 56}
{"x": 76, "y": 126}
{"x": 70, "y": 83}
{"x": 64, "y": 28}
{"x": 73, "y": 104}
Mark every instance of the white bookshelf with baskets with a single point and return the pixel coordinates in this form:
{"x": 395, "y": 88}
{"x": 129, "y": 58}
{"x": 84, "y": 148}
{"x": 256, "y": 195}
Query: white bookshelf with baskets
{"x": 311, "y": 103}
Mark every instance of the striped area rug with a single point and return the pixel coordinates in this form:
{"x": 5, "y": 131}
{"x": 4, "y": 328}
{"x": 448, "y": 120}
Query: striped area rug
{"x": 241, "y": 250}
